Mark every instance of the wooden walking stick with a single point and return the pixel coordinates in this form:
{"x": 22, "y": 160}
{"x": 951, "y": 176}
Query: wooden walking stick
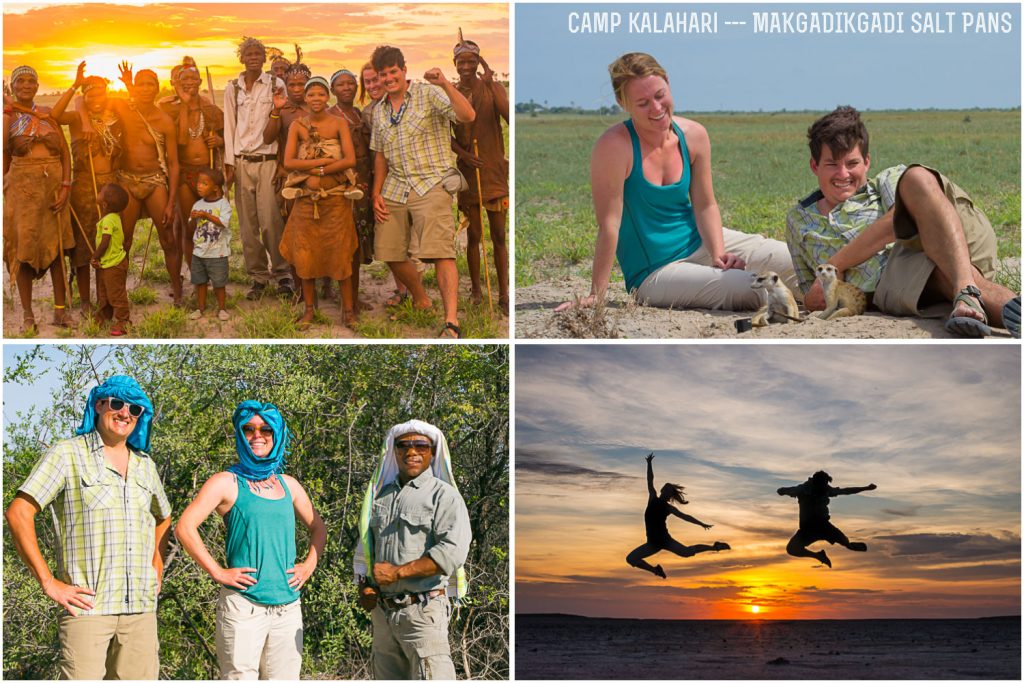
{"x": 145, "y": 252}
{"x": 209, "y": 86}
{"x": 81, "y": 229}
{"x": 483, "y": 243}
{"x": 95, "y": 190}
{"x": 63, "y": 272}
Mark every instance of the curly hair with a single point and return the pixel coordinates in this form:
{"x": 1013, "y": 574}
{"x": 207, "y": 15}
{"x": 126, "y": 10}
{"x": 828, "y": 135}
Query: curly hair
{"x": 842, "y": 130}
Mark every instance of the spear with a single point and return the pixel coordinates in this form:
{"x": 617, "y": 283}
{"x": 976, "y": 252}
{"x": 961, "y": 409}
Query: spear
{"x": 209, "y": 86}
{"x": 483, "y": 242}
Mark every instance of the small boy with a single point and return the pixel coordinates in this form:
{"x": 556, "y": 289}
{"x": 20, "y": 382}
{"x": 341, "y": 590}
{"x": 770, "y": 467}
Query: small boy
{"x": 111, "y": 260}
{"x": 209, "y": 222}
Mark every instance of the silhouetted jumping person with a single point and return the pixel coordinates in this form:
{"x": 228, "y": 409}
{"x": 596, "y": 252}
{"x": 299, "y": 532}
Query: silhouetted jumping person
{"x": 659, "y": 508}
{"x": 813, "y": 497}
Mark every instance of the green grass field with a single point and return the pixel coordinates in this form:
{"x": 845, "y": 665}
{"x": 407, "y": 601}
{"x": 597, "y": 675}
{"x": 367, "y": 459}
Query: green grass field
{"x": 760, "y": 169}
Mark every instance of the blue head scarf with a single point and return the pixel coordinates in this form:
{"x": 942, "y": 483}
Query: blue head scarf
{"x": 249, "y": 466}
{"x": 126, "y": 389}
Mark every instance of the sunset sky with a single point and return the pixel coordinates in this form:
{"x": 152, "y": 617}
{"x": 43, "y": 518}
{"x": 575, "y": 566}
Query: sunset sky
{"x": 54, "y": 38}
{"x": 937, "y": 428}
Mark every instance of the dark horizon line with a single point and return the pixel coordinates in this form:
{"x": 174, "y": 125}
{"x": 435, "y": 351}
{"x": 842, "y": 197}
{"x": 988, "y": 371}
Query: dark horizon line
{"x": 752, "y": 618}
{"x": 547, "y": 109}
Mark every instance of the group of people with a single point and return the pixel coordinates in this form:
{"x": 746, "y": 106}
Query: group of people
{"x": 319, "y": 189}
{"x": 114, "y": 522}
{"x": 815, "y": 525}
{"x": 908, "y": 237}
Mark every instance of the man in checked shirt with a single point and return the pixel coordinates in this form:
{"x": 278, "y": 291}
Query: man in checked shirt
{"x": 909, "y": 236}
{"x": 411, "y": 141}
{"x": 113, "y": 521}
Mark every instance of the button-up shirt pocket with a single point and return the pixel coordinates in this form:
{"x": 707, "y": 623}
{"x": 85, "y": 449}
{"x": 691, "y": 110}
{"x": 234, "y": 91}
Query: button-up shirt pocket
{"x": 99, "y": 497}
{"x": 413, "y": 531}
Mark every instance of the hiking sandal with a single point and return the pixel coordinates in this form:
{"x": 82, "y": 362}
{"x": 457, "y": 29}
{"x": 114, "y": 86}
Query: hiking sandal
{"x": 1011, "y": 317}
{"x": 454, "y": 328}
{"x": 965, "y": 326}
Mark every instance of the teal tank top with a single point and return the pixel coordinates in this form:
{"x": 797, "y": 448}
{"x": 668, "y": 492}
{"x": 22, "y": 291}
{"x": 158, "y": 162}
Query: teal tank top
{"x": 261, "y": 534}
{"x": 658, "y": 226}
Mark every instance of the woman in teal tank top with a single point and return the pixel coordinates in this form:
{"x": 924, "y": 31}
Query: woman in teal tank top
{"x": 656, "y": 209}
{"x": 259, "y": 615}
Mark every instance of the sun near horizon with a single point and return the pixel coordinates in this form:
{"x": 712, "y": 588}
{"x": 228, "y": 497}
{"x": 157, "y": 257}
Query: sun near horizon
{"x": 54, "y": 38}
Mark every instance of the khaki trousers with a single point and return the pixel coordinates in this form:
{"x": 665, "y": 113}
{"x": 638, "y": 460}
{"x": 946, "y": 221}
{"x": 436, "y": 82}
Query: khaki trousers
{"x": 412, "y": 643}
{"x": 258, "y": 641}
{"x": 259, "y": 221}
{"x": 112, "y": 647}
{"x": 694, "y": 283}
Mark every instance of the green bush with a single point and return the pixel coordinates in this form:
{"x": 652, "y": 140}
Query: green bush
{"x": 339, "y": 400}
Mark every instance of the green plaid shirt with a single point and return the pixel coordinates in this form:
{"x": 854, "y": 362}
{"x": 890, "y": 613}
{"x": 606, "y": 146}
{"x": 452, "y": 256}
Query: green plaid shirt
{"x": 106, "y": 524}
{"x": 813, "y": 238}
{"x": 419, "y": 146}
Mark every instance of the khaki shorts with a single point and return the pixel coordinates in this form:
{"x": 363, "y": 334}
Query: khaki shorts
{"x": 908, "y": 269}
{"x": 117, "y": 646}
{"x": 423, "y": 228}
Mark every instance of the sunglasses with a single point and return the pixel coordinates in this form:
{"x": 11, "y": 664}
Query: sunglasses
{"x": 264, "y": 430}
{"x": 410, "y": 445}
{"x": 117, "y": 404}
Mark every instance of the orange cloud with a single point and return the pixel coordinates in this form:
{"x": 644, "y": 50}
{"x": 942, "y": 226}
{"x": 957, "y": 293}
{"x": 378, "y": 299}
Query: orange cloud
{"x": 54, "y": 38}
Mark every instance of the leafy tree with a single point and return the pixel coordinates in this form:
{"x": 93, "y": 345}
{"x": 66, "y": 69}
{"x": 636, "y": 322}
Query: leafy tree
{"x": 339, "y": 400}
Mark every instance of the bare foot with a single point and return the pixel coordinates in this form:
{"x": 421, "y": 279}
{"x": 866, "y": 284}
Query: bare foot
{"x": 476, "y": 297}
{"x": 658, "y": 571}
{"x": 823, "y": 558}
{"x": 304, "y": 321}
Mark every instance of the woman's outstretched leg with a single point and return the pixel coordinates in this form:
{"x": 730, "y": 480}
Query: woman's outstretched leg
{"x": 636, "y": 559}
{"x": 690, "y": 550}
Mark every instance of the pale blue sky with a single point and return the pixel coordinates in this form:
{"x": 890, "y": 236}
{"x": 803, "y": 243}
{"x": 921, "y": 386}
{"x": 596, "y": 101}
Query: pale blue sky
{"x": 736, "y": 69}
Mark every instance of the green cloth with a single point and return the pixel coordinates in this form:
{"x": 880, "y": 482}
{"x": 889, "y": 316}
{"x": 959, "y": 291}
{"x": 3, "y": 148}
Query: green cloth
{"x": 106, "y": 524}
{"x": 115, "y": 253}
{"x": 261, "y": 534}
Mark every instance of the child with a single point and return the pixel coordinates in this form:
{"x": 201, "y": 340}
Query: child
{"x": 111, "y": 260}
{"x": 209, "y": 222}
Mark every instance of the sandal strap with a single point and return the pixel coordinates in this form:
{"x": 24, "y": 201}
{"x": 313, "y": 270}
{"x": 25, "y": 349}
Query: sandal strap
{"x": 970, "y": 296}
{"x": 454, "y": 328}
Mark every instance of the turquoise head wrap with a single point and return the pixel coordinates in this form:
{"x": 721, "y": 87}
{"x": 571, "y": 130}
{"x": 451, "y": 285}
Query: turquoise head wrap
{"x": 250, "y": 467}
{"x": 126, "y": 389}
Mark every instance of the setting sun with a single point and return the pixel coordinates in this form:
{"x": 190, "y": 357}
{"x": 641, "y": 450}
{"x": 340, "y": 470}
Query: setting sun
{"x": 756, "y": 609}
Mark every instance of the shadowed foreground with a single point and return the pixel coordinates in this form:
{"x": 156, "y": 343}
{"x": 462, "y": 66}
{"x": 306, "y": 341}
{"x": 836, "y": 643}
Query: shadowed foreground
{"x": 569, "y": 647}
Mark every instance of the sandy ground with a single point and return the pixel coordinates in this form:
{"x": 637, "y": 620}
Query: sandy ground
{"x": 622, "y": 319}
{"x": 372, "y": 291}
{"x": 565, "y": 647}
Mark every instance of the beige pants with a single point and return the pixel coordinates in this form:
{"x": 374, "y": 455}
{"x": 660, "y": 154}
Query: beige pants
{"x": 694, "y": 283}
{"x": 259, "y": 221}
{"x": 258, "y": 641}
{"x": 412, "y": 643}
{"x": 118, "y": 646}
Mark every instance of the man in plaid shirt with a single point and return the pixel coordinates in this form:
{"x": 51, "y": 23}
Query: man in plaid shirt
{"x": 113, "y": 520}
{"x": 945, "y": 247}
{"x": 411, "y": 139}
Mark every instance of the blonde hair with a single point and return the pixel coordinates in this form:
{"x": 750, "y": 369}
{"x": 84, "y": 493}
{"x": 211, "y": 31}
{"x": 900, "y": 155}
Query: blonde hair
{"x": 629, "y": 66}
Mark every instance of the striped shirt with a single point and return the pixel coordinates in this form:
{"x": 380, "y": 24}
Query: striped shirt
{"x": 106, "y": 524}
{"x": 418, "y": 146}
{"x": 813, "y": 238}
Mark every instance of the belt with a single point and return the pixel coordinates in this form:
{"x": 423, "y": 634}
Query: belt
{"x": 403, "y": 600}
{"x": 256, "y": 157}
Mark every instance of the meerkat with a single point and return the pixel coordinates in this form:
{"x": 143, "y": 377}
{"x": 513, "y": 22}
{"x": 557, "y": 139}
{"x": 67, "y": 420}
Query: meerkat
{"x": 781, "y": 303}
{"x": 841, "y": 298}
